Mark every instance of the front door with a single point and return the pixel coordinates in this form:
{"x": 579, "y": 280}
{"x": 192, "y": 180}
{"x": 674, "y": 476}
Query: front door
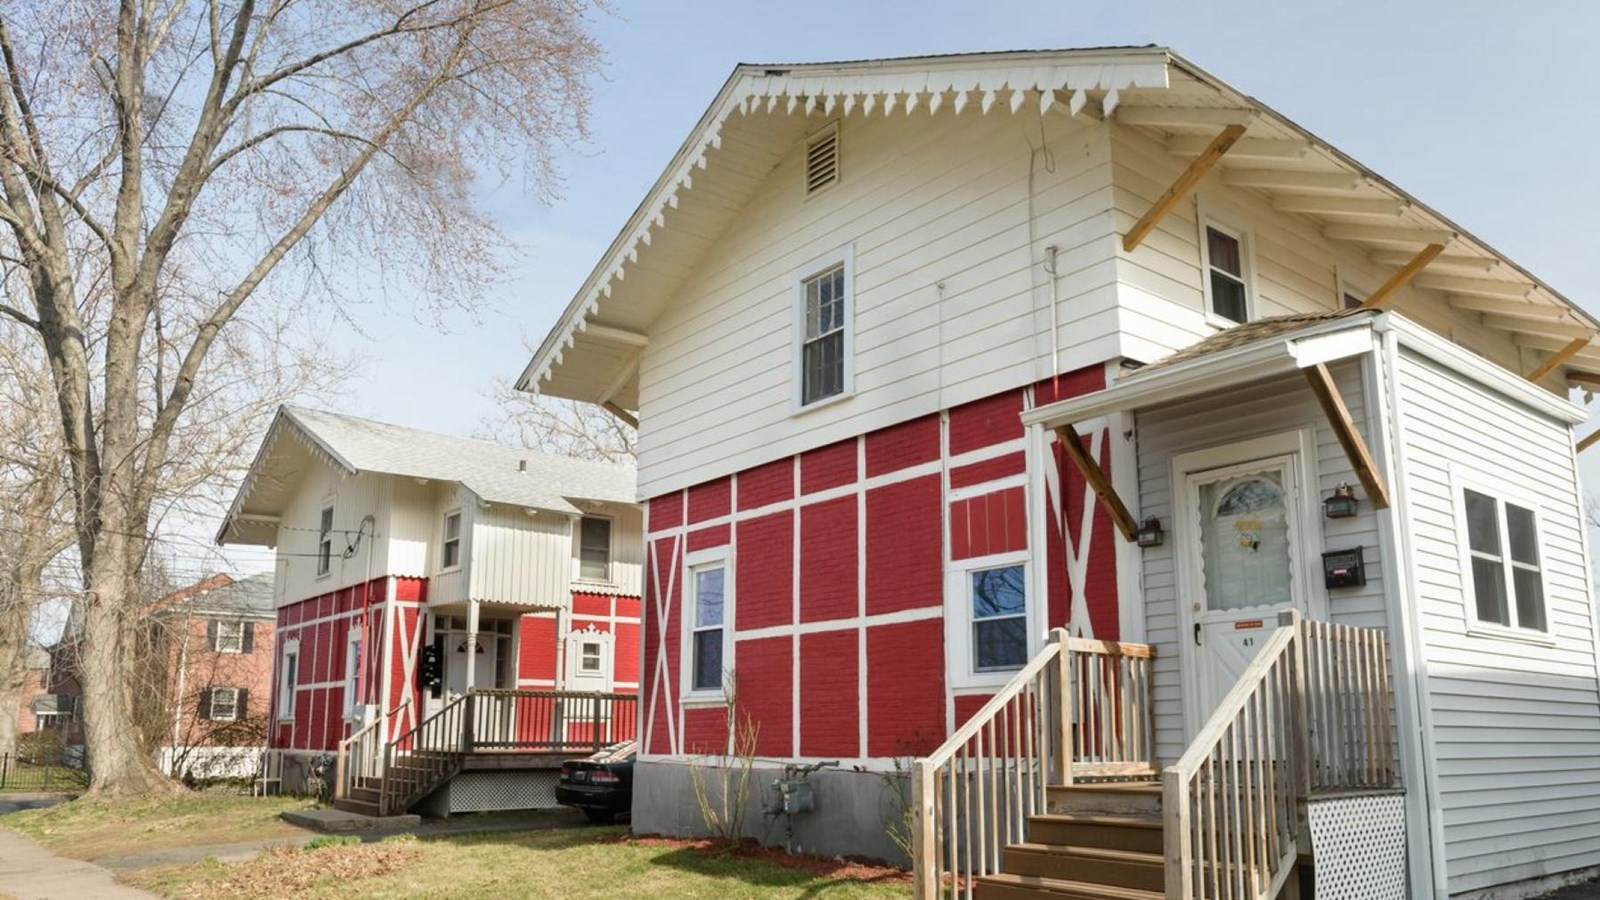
{"x": 1245, "y": 542}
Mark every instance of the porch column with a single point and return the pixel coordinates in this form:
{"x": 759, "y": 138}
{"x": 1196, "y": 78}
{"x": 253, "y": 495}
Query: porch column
{"x": 472, "y": 645}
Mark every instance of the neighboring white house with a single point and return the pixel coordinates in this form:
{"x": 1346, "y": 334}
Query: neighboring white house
{"x": 889, "y": 328}
{"x": 518, "y": 570}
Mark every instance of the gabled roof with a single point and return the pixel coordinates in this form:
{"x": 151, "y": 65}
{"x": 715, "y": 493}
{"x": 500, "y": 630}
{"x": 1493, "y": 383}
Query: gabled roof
{"x": 762, "y": 111}
{"x": 495, "y": 473}
{"x": 222, "y": 595}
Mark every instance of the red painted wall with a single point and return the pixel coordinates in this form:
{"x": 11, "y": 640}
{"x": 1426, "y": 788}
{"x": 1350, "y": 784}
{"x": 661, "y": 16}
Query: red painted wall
{"x": 870, "y": 637}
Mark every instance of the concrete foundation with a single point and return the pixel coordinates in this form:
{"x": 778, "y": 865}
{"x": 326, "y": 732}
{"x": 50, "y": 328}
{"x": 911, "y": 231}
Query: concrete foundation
{"x": 852, "y": 816}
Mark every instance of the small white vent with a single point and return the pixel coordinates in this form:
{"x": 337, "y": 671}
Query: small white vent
{"x": 822, "y": 159}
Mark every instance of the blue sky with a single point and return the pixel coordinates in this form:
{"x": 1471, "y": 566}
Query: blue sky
{"x": 1484, "y": 110}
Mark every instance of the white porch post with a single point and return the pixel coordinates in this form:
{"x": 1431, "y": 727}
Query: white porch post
{"x": 472, "y": 645}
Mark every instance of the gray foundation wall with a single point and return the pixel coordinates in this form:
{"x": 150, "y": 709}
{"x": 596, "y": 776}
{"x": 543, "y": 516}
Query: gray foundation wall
{"x": 851, "y": 818}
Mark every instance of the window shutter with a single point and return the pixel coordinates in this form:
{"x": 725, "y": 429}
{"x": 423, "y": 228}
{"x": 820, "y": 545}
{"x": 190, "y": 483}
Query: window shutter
{"x": 205, "y": 704}
{"x": 211, "y": 634}
{"x": 242, "y": 704}
{"x": 249, "y": 636}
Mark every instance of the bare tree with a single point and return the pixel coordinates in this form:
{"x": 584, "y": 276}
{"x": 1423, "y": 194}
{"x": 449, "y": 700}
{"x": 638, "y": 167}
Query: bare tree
{"x": 562, "y": 427}
{"x": 190, "y": 151}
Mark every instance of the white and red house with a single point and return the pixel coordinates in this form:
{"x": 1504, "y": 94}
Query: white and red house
{"x": 521, "y": 570}
{"x": 860, "y": 308}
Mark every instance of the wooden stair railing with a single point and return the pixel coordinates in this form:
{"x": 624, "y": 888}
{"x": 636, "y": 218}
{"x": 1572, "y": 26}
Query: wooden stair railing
{"x": 1078, "y": 709}
{"x": 360, "y": 755}
{"x": 1311, "y": 713}
{"x": 421, "y": 759}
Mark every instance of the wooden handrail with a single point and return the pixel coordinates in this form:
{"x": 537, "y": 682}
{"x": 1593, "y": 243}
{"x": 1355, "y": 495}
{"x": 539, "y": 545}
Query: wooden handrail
{"x": 1076, "y": 705}
{"x": 345, "y": 775}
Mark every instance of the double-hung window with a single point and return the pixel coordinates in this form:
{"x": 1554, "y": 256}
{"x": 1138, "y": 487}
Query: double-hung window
{"x": 988, "y": 625}
{"x": 450, "y": 550}
{"x": 707, "y": 625}
{"x": 1503, "y": 546}
{"x": 352, "y": 672}
{"x": 1227, "y": 278}
{"x": 594, "y": 549}
{"x": 288, "y": 677}
{"x": 824, "y": 340}
{"x": 227, "y": 637}
{"x": 589, "y": 658}
{"x": 325, "y": 542}
{"x": 222, "y": 705}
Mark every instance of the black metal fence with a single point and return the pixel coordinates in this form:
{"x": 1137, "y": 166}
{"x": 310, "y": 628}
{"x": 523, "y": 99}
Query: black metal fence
{"x": 59, "y": 771}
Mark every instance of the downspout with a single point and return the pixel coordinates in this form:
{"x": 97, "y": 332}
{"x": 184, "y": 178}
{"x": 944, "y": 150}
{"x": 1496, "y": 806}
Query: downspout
{"x": 1406, "y": 624}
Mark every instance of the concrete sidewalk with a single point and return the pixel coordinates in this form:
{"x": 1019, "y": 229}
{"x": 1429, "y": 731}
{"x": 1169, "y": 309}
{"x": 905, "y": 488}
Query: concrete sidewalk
{"x": 30, "y": 872}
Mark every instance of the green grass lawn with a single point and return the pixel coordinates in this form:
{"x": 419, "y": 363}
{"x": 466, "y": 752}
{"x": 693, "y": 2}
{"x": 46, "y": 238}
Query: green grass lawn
{"x": 92, "y": 829}
{"x": 569, "y": 863}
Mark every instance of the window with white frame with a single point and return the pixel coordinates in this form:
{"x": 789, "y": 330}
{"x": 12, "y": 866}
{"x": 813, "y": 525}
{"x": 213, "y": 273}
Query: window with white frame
{"x": 288, "y": 677}
{"x": 222, "y": 705}
{"x": 823, "y": 335}
{"x": 707, "y": 625}
{"x": 988, "y": 625}
{"x": 325, "y": 541}
{"x": 594, "y": 548}
{"x": 589, "y": 660}
{"x": 1224, "y": 252}
{"x": 1503, "y": 546}
{"x": 352, "y": 672}
{"x": 227, "y": 637}
{"x": 450, "y": 550}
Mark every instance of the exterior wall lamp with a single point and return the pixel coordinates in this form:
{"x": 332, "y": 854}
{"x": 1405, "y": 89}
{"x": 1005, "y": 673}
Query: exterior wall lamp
{"x": 1150, "y": 533}
{"x": 1342, "y": 503}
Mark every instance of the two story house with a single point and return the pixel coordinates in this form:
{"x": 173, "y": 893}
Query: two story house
{"x": 1050, "y": 417}
{"x": 415, "y": 569}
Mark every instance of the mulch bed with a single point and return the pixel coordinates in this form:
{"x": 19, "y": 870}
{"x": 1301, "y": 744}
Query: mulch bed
{"x": 842, "y": 868}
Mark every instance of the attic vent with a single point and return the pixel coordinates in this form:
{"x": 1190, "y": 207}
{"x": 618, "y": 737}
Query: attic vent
{"x": 822, "y": 159}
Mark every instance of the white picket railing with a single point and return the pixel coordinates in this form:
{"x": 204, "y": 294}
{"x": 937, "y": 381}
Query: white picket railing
{"x": 974, "y": 795}
{"x": 1311, "y": 713}
{"x": 361, "y": 754}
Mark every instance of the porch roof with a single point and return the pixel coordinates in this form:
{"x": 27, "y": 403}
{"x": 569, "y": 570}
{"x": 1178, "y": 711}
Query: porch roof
{"x": 1246, "y": 353}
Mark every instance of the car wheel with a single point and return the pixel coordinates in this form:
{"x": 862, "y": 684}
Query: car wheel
{"x": 600, "y": 816}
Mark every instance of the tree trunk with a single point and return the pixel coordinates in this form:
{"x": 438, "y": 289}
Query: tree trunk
{"x": 17, "y": 601}
{"x": 119, "y": 761}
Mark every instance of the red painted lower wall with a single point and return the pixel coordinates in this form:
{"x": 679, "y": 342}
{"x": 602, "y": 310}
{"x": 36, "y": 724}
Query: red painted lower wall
{"x": 839, "y": 592}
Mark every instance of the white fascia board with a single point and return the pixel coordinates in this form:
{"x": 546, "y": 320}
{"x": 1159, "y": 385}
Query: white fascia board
{"x": 1474, "y": 367}
{"x": 1267, "y": 358}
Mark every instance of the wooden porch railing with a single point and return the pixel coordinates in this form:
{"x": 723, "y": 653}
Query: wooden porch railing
{"x": 1079, "y": 708}
{"x": 361, "y": 754}
{"x": 494, "y": 720}
{"x": 1310, "y": 713}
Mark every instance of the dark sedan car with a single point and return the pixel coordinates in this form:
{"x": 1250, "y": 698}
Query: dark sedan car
{"x": 601, "y": 785}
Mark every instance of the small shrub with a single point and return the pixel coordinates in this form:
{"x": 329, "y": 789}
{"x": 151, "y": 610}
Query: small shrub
{"x": 331, "y": 840}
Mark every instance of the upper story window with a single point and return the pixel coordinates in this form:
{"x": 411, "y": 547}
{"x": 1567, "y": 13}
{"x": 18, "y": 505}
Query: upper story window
{"x": 824, "y": 339}
{"x": 229, "y": 637}
{"x": 1225, "y": 257}
{"x": 594, "y": 548}
{"x": 325, "y": 541}
{"x": 1503, "y": 545}
{"x": 450, "y": 550}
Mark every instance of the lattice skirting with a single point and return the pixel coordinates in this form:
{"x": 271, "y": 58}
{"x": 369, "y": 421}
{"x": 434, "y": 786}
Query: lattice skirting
{"x": 1359, "y": 847}
{"x": 493, "y": 791}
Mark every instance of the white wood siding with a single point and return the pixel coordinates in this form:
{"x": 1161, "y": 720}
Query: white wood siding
{"x": 627, "y": 555}
{"x": 1516, "y": 725}
{"x": 450, "y": 586}
{"x": 1160, "y": 303}
{"x": 352, "y": 497}
{"x": 949, "y": 306}
{"x": 1261, "y": 409}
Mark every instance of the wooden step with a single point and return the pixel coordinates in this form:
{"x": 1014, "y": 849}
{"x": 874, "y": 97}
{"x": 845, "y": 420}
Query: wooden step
{"x": 364, "y": 794}
{"x": 1138, "y": 833}
{"x": 1112, "y": 798}
{"x": 1091, "y": 865}
{"x": 361, "y": 807}
{"x": 1029, "y": 887}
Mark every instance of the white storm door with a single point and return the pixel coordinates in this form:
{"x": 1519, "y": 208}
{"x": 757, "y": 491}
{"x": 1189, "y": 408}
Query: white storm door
{"x": 1245, "y": 544}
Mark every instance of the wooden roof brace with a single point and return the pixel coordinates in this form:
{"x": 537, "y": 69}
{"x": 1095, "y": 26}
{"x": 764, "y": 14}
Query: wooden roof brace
{"x": 1588, "y": 440}
{"x": 1096, "y": 478}
{"x": 1183, "y": 186}
{"x": 1557, "y": 358}
{"x": 1398, "y": 280}
{"x": 1349, "y": 438}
